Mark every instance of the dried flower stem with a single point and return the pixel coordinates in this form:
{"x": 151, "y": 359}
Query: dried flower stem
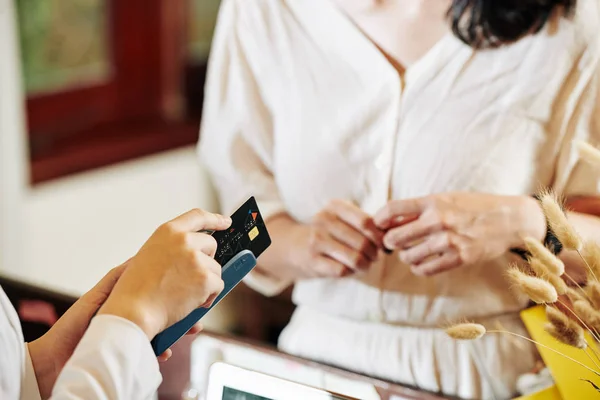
{"x": 573, "y": 281}
{"x": 547, "y": 347}
{"x": 589, "y": 267}
{"x": 580, "y": 320}
{"x": 594, "y": 352}
{"x": 590, "y": 357}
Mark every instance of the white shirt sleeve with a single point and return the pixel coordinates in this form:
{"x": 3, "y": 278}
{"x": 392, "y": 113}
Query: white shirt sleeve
{"x": 17, "y": 378}
{"x": 580, "y": 121}
{"x": 236, "y": 140}
{"x": 29, "y": 385}
{"x": 114, "y": 360}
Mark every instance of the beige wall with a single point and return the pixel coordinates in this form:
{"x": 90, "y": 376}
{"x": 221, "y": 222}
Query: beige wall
{"x": 77, "y": 228}
{"x": 12, "y": 145}
{"x": 66, "y": 234}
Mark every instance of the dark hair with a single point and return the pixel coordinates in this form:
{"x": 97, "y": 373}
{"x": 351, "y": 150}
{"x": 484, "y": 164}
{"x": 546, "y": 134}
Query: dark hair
{"x": 493, "y": 23}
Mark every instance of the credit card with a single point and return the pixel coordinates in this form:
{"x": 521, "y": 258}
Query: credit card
{"x": 247, "y": 232}
{"x": 237, "y": 250}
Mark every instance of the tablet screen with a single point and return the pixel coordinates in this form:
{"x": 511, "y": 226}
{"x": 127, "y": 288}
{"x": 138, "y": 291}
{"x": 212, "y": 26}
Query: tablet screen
{"x": 234, "y": 394}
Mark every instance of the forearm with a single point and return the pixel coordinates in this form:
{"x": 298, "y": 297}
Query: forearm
{"x": 588, "y": 227}
{"x": 533, "y": 224}
{"x": 114, "y": 360}
{"x": 44, "y": 368}
{"x": 282, "y": 260}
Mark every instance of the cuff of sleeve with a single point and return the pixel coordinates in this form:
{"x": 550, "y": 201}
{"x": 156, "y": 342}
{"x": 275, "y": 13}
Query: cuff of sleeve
{"x": 29, "y": 389}
{"x": 116, "y": 354}
{"x": 270, "y": 208}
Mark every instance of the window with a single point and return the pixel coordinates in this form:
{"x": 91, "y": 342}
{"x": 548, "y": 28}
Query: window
{"x": 111, "y": 80}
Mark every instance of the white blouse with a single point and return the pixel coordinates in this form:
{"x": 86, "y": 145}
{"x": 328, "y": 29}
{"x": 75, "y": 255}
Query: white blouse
{"x": 113, "y": 361}
{"x": 302, "y": 108}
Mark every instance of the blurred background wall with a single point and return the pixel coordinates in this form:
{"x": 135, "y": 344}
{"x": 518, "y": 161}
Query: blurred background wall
{"x": 13, "y": 158}
{"x": 100, "y": 106}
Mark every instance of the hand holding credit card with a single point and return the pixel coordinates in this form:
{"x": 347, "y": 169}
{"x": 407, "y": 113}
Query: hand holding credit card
{"x": 237, "y": 250}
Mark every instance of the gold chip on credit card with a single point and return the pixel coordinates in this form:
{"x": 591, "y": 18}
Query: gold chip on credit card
{"x": 253, "y": 233}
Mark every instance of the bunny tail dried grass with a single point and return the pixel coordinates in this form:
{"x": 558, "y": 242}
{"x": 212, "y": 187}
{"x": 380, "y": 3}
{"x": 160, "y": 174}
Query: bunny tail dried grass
{"x": 539, "y": 269}
{"x": 546, "y": 347}
{"x": 574, "y": 295}
{"x": 466, "y": 331}
{"x": 558, "y": 222}
{"x": 571, "y": 337}
{"x": 586, "y": 312}
{"x": 545, "y": 256}
{"x": 591, "y": 255}
{"x": 593, "y": 292}
{"x": 558, "y": 283}
{"x": 538, "y": 290}
{"x": 557, "y": 317}
{"x": 588, "y": 152}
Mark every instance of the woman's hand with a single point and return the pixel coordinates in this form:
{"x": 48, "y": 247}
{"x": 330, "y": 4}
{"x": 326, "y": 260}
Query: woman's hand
{"x": 341, "y": 239}
{"x": 444, "y": 231}
{"x": 172, "y": 274}
{"x": 51, "y": 352}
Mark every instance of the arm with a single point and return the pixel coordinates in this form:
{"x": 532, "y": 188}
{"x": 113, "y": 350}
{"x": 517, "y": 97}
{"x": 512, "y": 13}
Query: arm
{"x": 236, "y": 144}
{"x": 287, "y": 235}
{"x": 114, "y": 360}
{"x": 583, "y": 214}
{"x": 576, "y": 180}
{"x": 587, "y": 224}
{"x": 111, "y": 357}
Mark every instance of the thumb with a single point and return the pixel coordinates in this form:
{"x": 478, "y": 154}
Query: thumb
{"x": 99, "y": 293}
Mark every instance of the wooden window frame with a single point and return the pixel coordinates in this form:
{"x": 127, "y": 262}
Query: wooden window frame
{"x": 141, "y": 110}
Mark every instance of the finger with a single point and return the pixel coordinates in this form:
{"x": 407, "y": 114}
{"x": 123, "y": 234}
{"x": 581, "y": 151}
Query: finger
{"x": 388, "y": 215}
{"x": 213, "y": 286}
{"x": 401, "y": 220}
{"x": 353, "y": 238}
{"x": 202, "y": 260}
{"x": 202, "y": 242}
{"x": 209, "y": 302}
{"x": 325, "y": 267}
{"x": 198, "y": 220}
{"x": 358, "y": 219}
{"x": 402, "y": 236}
{"x": 165, "y": 356}
{"x": 100, "y": 292}
{"x": 434, "y": 244}
{"x": 437, "y": 265}
{"x": 196, "y": 329}
{"x": 342, "y": 253}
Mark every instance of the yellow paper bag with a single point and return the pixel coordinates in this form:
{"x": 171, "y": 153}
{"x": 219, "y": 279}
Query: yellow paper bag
{"x": 567, "y": 374}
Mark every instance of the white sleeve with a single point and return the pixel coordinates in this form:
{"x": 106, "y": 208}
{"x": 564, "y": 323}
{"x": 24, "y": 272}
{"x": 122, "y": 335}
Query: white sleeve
{"x": 17, "y": 377}
{"x": 114, "y": 360}
{"x": 29, "y": 385}
{"x": 574, "y": 176}
{"x": 236, "y": 139}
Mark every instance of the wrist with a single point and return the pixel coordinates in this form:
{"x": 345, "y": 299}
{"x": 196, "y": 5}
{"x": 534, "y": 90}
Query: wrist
{"x": 285, "y": 259}
{"x": 135, "y": 311}
{"x": 298, "y": 255}
{"x": 43, "y": 365}
{"x": 531, "y": 220}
